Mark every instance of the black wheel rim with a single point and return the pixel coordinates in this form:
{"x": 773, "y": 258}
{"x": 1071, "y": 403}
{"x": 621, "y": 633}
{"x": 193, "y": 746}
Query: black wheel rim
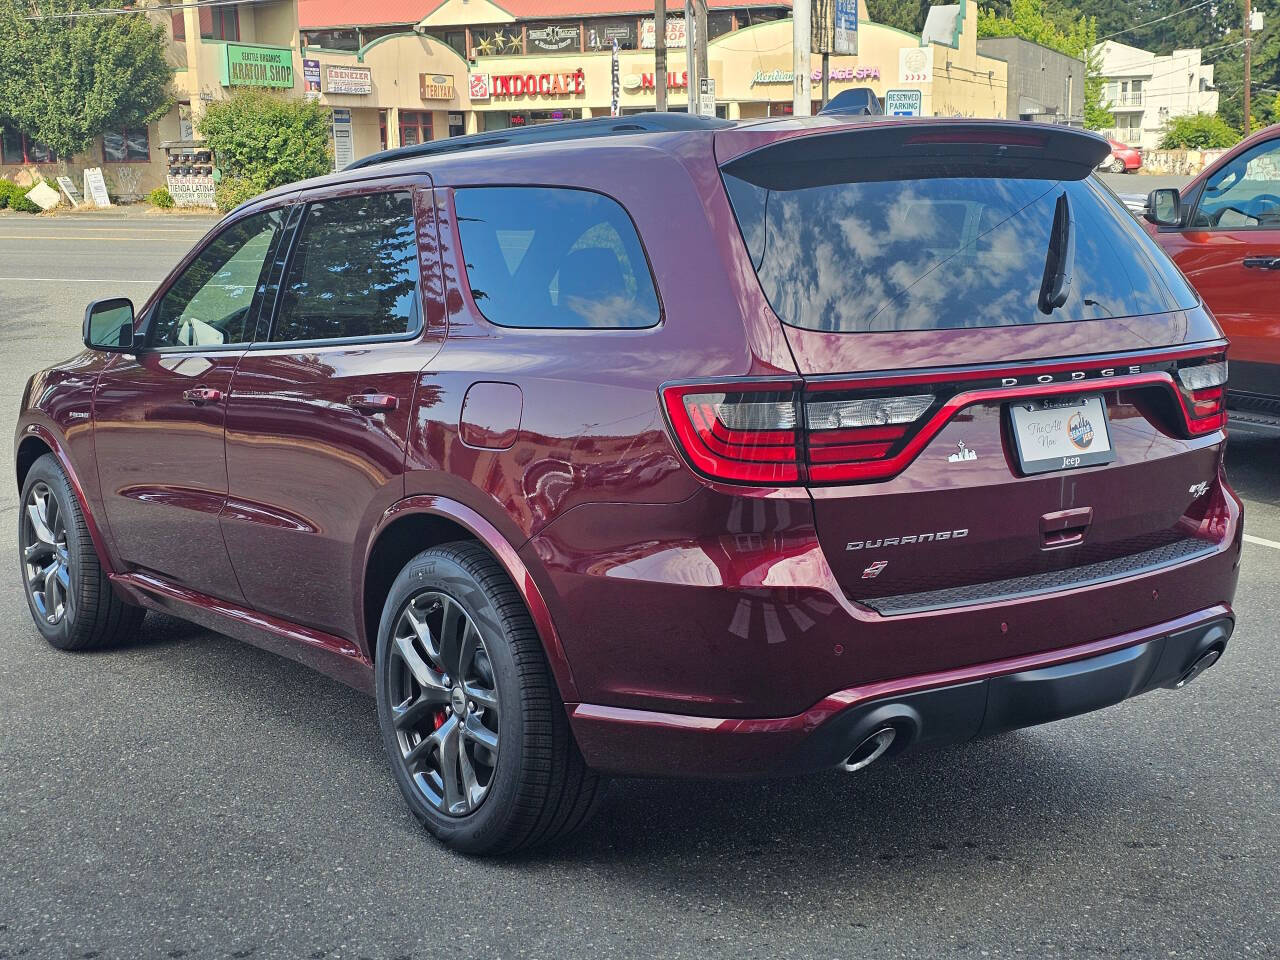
{"x": 444, "y": 703}
{"x": 45, "y": 560}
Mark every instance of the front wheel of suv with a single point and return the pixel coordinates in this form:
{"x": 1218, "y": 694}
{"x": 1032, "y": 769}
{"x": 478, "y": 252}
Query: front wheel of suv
{"x": 473, "y": 724}
{"x": 71, "y": 599}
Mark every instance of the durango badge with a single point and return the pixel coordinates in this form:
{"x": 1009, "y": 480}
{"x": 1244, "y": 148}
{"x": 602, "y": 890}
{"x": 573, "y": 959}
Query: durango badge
{"x": 906, "y": 540}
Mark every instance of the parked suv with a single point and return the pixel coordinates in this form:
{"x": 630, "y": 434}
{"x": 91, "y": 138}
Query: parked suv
{"x": 659, "y": 446}
{"x": 1223, "y": 230}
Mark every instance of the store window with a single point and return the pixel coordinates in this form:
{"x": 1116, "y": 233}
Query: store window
{"x": 558, "y": 37}
{"x": 17, "y": 147}
{"x": 602, "y": 33}
{"x": 719, "y": 23}
{"x": 220, "y": 23}
{"x": 347, "y": 40}
{"x": 554, "y": 258}
{"x": 749, "y": 18}
{"x": 354, "y": 271}
{"x": 131, "y": 145}
{"x": 382, "y": 128}
{"x": 415, "y": 127}
{"x": 492, "y": 41}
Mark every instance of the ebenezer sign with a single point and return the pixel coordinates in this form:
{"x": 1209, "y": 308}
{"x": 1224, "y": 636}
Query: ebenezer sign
{"x": 246, "y": 66}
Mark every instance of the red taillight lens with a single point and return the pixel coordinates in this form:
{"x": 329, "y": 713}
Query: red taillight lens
{"x": 747, "y": 435}
{"x": 1203, "y": 388}
{"x": 849, "y": 434}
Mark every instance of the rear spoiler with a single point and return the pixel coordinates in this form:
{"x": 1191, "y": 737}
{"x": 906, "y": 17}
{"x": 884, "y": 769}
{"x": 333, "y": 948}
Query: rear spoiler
{"x": 875, "y": 148}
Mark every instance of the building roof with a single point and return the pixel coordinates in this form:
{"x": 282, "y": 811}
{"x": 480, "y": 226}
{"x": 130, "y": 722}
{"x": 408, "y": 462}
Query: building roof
{"x": 326, "y": 14}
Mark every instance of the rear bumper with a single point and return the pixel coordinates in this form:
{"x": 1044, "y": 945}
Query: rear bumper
{"x": 933, "y": 709}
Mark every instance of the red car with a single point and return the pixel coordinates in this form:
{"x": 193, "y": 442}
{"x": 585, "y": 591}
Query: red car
{"x": 1123, "y": 159}
{"x": 659, "y": 446}
{"x": 1223, "y": 230}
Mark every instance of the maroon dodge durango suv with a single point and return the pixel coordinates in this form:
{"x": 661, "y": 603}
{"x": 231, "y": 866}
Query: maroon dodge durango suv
{"x": 660, "y": 446}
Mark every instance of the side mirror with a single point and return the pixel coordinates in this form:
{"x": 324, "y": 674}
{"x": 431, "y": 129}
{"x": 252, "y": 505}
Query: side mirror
{"x": 1164, "y": 207}
{"x": 108, "y": 325}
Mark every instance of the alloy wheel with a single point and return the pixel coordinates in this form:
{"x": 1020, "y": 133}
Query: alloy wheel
{"x": 45, "y": 560}
{"x": 445, "y": 703}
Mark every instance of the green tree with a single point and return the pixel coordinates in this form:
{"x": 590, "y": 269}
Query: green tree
{"x": 908, "y": 15}
{"x": 65, "y": 80}
{"x": 1073, "y": 35}
{"x": 1198, "y": 131}
{"x": 260, "y": 140}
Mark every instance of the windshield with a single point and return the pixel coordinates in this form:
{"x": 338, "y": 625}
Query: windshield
{"x": 943, "y": 252}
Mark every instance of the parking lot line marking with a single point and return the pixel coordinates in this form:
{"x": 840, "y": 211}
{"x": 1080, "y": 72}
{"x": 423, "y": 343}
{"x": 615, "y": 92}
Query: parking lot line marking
{"x": 73, "y": 280}
{"x": 1273, "y": 544}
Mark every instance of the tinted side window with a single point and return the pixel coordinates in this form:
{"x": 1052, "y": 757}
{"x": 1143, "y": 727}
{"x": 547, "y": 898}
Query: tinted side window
{"x": 208, "y": 305}
{"x": 354, "y": 271}
{"x": 1244, "y": 193}
{"x": 554, "y": 257}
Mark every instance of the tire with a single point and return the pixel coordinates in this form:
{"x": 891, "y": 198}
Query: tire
{"x": 76, "y": 608}
{"x": 1117, "y": 165}
{"x": 463, "y": 686}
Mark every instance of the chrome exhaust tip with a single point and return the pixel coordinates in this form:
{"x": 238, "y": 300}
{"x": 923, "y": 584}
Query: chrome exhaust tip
{"x": 869, "y": 750}
{"x": 1207, "y": 660}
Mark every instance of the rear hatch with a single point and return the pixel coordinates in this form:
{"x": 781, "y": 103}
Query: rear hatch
{"x": 1005, "y": 385}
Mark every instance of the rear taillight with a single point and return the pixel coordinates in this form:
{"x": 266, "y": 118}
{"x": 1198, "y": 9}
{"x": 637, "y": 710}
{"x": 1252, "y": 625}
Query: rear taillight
{"x": 789, "y": 431}
{"x": 741, "y": 433}
{"x": 849, "y": 437}
{"x": 1202, "y": 385}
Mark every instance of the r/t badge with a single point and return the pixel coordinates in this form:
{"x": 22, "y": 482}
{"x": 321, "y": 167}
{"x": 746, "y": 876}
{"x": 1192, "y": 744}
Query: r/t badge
{"x": 873, "y": 571}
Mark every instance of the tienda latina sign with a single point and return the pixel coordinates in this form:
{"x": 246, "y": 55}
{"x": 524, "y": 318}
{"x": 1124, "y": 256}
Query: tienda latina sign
{"x": 254, "y": 66}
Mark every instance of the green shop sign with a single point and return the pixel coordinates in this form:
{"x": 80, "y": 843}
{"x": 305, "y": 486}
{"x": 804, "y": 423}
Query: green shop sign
{"x": 246, "y": 66}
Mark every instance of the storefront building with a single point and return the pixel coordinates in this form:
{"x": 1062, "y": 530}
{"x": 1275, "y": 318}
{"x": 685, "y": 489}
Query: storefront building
{"x": 213, "y": 50}
{"x": 470, "y": 66}
{"x": 410, "y": 71}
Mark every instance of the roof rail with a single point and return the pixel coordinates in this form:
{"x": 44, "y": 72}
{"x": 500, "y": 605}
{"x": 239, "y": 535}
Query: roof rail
{"x": 548, "y": 133}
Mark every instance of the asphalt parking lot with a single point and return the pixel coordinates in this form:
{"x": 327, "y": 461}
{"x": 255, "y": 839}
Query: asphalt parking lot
{"x": 194, "y": 797}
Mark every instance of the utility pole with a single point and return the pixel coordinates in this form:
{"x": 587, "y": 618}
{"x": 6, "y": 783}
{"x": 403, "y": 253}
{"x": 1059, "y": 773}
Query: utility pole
{"x": 1248, "y": 59}
{"x": 700, "y": 19}
{"x": 801, "y": 40}
{"x": 691, "y": 39}
{"x": 660, "y": 55}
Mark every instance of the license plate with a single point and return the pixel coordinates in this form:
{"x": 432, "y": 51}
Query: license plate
{"x": 1063, "y": 434}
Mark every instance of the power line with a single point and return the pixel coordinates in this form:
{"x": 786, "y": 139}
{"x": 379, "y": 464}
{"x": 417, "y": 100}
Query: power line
{"x": 1170, "y": 16}
{"x": 121, "y": 11}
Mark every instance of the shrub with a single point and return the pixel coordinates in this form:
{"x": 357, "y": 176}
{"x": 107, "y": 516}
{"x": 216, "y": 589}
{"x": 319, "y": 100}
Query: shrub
{"x": 14, "y": 196}
{"x": 233, "y": 191}
{"x": 1198, "y": 131}
{"x": 261, "y": 140}
{"x": 160, "y": 197}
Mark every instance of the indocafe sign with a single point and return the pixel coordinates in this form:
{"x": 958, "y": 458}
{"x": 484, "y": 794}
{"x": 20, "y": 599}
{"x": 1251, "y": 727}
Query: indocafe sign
{"x": 511, "y": 85}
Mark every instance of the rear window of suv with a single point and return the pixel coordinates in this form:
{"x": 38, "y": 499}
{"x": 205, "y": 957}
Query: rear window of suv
{"x": 852, "y": 255}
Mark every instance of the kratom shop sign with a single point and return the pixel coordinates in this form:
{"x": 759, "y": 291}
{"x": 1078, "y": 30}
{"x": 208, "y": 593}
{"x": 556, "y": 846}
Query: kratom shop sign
{"x": 246, "y": 66}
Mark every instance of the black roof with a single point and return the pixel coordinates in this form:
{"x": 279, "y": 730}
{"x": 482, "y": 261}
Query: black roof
{"x": 549, "y": 133}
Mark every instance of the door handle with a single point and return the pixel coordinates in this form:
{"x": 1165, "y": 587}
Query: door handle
{"x": 202, "y": 395}
{"x": 371, "y": 402}
{"x": 1262, "y": 263}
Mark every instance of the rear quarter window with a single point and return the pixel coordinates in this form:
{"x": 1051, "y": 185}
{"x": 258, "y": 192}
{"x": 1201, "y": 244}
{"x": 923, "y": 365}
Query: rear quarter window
{"x": 552, "y": 257}
{"x": 942, "y": 252}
